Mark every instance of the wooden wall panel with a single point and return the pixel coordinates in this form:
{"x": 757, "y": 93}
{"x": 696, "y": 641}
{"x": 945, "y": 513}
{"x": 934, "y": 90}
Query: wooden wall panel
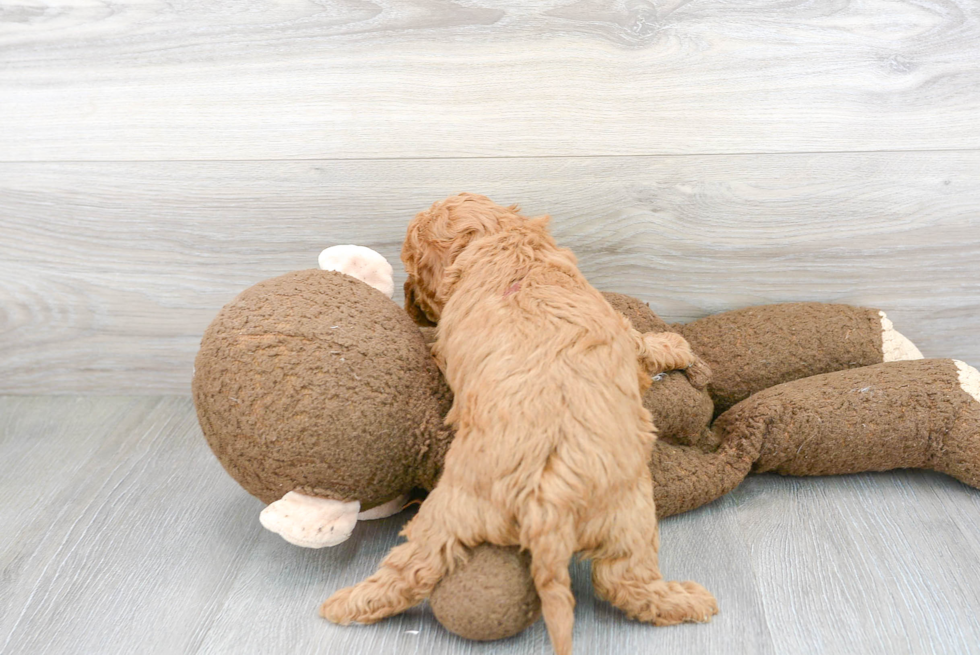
{"x": 109, "y": 272}
{"x": 265, "y": 79}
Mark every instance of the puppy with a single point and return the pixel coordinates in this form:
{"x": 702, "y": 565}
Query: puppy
{"x": 552, "y": 439}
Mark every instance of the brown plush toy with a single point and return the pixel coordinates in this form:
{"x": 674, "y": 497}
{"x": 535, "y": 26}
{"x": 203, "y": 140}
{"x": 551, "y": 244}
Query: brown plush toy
{"x": 317, "y": 393}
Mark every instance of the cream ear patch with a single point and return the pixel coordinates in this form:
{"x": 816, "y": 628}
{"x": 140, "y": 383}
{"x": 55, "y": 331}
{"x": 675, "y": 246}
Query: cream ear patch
{"x": 390, "y": 508}
{"x": 969, "y": 379}
{"x": 309, "y": 521}
{"x": 362, "y": 263}
{"x": 895, "y": 347}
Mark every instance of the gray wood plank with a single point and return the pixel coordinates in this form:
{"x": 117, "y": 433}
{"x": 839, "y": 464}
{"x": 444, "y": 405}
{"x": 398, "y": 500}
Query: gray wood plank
{"x": 109, "y": 272}
{"x": 242, "y": 79}
{"x": 869, "y": 563}
{"x": 45, "y": 446}
{"x": 132, "y": 549}
{"x": 136, "y": 541}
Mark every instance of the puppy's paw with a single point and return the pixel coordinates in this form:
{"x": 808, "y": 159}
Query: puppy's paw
{"x": 698, "y": 373}
{"x": 363, "y": 603}
{"x": 665, "y": 351}
{"x": 686, "y": 602}
{"x": 338, "y": 608}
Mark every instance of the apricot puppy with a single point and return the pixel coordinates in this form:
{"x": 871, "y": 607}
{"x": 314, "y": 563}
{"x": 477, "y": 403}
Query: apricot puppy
{"x": 552, "y": 439}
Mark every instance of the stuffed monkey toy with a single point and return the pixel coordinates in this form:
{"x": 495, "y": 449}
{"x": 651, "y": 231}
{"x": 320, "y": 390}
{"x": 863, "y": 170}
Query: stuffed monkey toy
{"x": 317, "y": 393}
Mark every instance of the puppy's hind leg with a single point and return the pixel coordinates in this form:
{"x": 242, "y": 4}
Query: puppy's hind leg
{"x": 407, "y": 575}
{"x": 626, "y": 572}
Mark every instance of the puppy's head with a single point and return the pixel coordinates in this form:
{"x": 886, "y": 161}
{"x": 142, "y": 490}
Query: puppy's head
{"x": 436, "y": 237}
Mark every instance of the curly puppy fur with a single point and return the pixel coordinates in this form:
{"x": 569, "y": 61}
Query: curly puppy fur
{"x": 552, "y": 439}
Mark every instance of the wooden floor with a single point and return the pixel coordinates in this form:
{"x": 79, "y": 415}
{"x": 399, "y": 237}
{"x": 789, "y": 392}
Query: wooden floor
{"x": 122, "y": 534}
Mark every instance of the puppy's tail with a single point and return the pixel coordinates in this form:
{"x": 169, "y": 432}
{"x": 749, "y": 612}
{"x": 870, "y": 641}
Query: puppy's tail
{"x": 552, "y": 544}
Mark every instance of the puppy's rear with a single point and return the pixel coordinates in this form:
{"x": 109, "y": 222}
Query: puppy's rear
{"x": 552, "y": 440}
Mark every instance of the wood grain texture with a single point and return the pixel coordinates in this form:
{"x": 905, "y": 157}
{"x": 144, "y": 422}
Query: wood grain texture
{"x": 286, "y": 79}
{"x": 121, "y": 540}
{"x": 122, "y": 534}
{"x": 832, "y": 544}
{"x": 109, "y": 272}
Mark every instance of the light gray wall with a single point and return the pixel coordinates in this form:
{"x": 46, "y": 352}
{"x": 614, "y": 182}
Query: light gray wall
{"x": 157, "y": 158}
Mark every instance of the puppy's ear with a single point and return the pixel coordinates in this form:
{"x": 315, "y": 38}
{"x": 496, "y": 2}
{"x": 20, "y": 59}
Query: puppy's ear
{"x": 412, "y": 305}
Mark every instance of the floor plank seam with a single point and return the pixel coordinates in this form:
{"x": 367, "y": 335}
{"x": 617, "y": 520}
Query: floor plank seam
{"x": 653, "y": 155}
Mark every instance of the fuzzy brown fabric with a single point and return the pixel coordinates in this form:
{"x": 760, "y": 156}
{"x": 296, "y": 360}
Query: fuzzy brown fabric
{"x": 680, "y": 411}
{"x": 685, "y": 477}
{"x": 638, "y": 312}
{"x": 756, "y": 348}
{"x": 499, "y": 592}
{"x": 911, "y": 414}
{"x": 314, "y": 381}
